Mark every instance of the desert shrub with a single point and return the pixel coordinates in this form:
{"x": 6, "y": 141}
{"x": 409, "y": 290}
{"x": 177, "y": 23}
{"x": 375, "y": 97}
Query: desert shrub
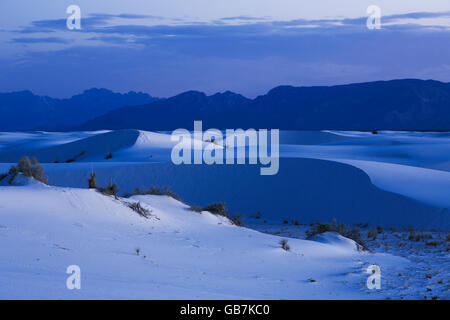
{"x": 24, "y": 166}
{"x": 296, "y": 223}
{"x": 111, "y": 189}
{"x": 37, "y": 171}
{"x": 374, "y": 132}
{"x": 218, "y": 208}
{"x": 433, "y": 243}
{"x": 75, "y": 158}
{"x": 285, "y": 221}
{"x": 238, "y": 220}
{"x": 29, "y": 168}
{"x": 195, "y": 209}
{"x": 319, "y": 227}
{"x": 164, "y": 192}
{"x": 13, "y": 172}
{"x": 342, "y": 229}
{"x": 373, "y": 233}
{"x": 137, "y": 191}
{"x": 355, "y": 235}
{"x": 258, "y": 215}
{"x": 3, "y": 176}
{"x": 153, "y": 191}
{"x": 137, "y": 207}
{"x": 109, "y": 156}
{"x": 419, "y": 236}
{"x": 284, "y": 245}
{"x": 380, "y": 229}
{"x": 427, "y": 236}
{"x": 362, "y": 225}
{"x": 91, "y": 181}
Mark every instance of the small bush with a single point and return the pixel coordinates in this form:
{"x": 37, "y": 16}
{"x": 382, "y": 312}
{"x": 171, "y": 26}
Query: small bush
{"x": 153, "y": 191}
{"x": 238, "y": 220}
{"x": 373, "y": 233}
{"x": 319, "y": 227}
{"x": 433, "y": 243}
{"x": 3, "y": 176}
{"x": 258, "y": 215}
{"x": 24, "y": 166}
{"x": 284, "y": 245}
{"x": 91, "y": 181}
{"x": 110, "y": 190}
{"x": 164, "y": 192}
{"x": 136, "y": 206}
{"x": 380, "y": 229}
{"x": 342, "y": 229}
{"x": 218, "y": 208}
{"x": 362, "y": 225}
{"x": 109, "y": 156}
{"x": 136, "y": 192}
{"x": 29, "y": 168}
{"x": 419, "y": 236}
{"x": 195, "y": 209}
{"x": 75, "y": 158}
{"x": 355, "y": 235}
{"x": 285, "y": 221}
{"x": 296, "y": 223}
{"x": 13, "y": 172}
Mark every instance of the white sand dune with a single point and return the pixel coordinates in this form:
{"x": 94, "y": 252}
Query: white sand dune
{"x": 398, "y": 184}
{"x": 182, "y": 254}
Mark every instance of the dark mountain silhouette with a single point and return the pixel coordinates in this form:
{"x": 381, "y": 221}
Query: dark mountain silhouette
{"x": 396, "y": 105}
{"x": 176, "y": 112}
{"x": 25, "y": 111}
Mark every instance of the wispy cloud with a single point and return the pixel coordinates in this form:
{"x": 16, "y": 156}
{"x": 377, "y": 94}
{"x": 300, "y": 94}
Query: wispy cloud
{"x": 91, "y": 23}
{"x": 109, "y": 23}
{"x": 40, "y": 40}
{"x": 244, "y": 54}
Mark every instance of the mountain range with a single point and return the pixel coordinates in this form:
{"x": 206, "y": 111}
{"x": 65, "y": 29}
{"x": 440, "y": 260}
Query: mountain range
{"x": 408, "y": 104}
{"x": 24, "y": 111}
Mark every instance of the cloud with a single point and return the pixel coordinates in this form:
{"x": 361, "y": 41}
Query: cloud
{"x": 127, "y": 52}
{"x": 109, "y": 23}
{"x": 91, "y": 23}
{"x": 418, "y": 15}
{"x": 40, "y": 40}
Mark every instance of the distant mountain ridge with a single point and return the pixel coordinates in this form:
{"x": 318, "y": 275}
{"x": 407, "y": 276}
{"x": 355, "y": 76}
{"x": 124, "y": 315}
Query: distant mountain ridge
{"x": 177, "y": 112}
{"x": 408, "y": 104}
{"x": 23, "y": 110}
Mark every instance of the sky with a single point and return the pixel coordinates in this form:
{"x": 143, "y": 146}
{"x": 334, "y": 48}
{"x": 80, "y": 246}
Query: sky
{"x": 165, "y": 47}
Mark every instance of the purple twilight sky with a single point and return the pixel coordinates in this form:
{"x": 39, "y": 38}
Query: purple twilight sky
{"x": 164, "y": 47}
